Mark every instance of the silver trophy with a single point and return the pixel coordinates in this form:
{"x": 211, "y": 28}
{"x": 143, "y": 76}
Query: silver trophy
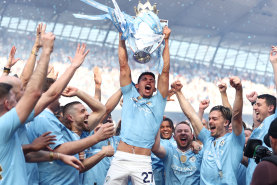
{"x": 143, "y": 32}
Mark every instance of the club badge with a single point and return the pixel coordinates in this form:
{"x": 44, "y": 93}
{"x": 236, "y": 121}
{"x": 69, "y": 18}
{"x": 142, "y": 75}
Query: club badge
{"x": 183, "y": 158}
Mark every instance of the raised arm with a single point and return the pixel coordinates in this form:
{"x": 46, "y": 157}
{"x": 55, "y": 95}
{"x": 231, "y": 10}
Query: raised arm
{"x": 125, "y": 71}
{"x": 163, "y": 79}
{"x": 11, "y": 62}
{"x": 202, "y": 106}
{"x": 58, "y": 86}
{"x": 97, "y": 82}
{"x": 273, "y": 60}
{"x": 106, "y": 131}
{"x": 237, "y": 108}
{"x": 222, "y": 89}
{"x": 107, "y": 151}
{"x": 157, "y": 149}
{"x": 34, "y": 87}
{"x": 187, "y": 108}
{"x": 111, "y": 104}
{"x": 98, "y": 109}
{"x": 30, "y": 64}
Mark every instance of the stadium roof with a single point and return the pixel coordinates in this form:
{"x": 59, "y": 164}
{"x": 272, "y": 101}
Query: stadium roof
{"x": 233, "y": 28}
{"x": 232, "y": 21}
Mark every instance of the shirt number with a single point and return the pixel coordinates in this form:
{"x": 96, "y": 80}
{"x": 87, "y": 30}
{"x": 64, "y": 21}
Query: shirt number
{"x": 147, "y": 175}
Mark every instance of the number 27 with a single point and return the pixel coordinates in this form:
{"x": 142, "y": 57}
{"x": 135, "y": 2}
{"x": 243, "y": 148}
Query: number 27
{"x": 145, "y": 180}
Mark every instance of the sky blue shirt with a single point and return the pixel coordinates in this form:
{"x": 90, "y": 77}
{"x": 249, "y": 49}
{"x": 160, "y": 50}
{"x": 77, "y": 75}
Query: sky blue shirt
{"x": 241, "y": 175}
{"x": 158, "y": 165}
{"x": 258, "y": 133}
{"x": 141, "y": 117}
{"x": 178, "y": 172}
{"x": 55, "y": 172}
{"x": 229, "y": 149}
{"x": 12, "y": 159}
{"x": 31, "y": 168}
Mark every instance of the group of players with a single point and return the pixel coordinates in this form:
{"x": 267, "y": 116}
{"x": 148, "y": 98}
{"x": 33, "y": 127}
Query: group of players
{"x": 44, "y": 143}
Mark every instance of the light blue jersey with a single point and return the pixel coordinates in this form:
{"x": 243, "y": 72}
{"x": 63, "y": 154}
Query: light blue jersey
{"x": 181, "y": 168}
{"x": 158, "y": 165}
{"x": 225, "y": 153}
{"x": 55, "y": 172}
{"x": 241, "y": 175}
{"x": 31, "y": 168}
{"x": 12, "y": 161}
{"x": 141, "y": 117}
{"x": 97, "y": 173}
{"x": 258, "y": 133}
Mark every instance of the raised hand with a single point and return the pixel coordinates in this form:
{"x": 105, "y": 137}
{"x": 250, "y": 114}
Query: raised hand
{"x": 11, "y": 59}
{"x": 222, "y": 87}
{"x": 235, "y": 82}
{"x": 97, "y": 76}
{"x": 170, "y": 93}
{"x": 105, "y": 131}
{"x": 273, "y": 55}
{"x": 176, "y": 86}
{"x": 166, "y": 32}
{"x": 252, "y": 97}
{"x": 80, "y": 55}
{"x": 51, "y": 73}
{"x": 38, "y": 42}
{"x": 196, "y": 147}
{"x": 204, "y": 104}
{"x": 47, "y": 40}
{"x": 72, "y": 161}
{"x": 43, "y": 142}
{"x": 108, "y": 150}
{"x": 70, "y": 91}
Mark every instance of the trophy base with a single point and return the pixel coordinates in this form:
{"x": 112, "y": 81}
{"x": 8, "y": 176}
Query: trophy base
{"x": 142, "y": 57}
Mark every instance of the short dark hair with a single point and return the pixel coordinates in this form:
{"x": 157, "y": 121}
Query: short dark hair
{"x": 68, "y": 106}
{"x": 48, "y": 82}
{"x": 145, "y": 73}
{"x": 5, "y": 89}
{"x": 225, "y": 111}
{"x": 185, "y": 123}
{"x": 269, "y": 99}
{"x": 170, "y": 122}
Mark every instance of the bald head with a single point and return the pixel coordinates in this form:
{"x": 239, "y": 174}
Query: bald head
{"x": 15, "y": 83}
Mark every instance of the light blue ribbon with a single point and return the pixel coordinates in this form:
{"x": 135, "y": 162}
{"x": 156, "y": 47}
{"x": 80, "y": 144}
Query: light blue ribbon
{"x": 127, "y": 25}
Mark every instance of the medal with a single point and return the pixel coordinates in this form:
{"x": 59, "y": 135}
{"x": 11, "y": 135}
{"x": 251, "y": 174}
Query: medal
{"x": 183, "y": 158}
{"x": 220, "y": 174}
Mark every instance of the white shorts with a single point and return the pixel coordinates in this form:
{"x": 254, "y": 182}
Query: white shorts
{"x": 124, "y": 165}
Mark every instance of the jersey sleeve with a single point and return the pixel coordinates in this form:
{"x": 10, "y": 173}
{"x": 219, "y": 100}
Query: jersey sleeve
{"x": 9, "y": 123}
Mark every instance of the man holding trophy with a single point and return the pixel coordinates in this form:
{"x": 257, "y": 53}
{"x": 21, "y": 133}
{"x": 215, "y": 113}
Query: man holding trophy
{"x": 142, "y": 112}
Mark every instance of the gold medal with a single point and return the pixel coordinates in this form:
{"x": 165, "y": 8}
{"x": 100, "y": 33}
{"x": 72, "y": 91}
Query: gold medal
{"x": 183, "y": 158}
{"x": 220, "y": 174}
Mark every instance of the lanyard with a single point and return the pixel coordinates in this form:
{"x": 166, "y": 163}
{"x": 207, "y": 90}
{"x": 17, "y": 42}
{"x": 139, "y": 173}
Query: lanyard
{"x": 215, "y": 151}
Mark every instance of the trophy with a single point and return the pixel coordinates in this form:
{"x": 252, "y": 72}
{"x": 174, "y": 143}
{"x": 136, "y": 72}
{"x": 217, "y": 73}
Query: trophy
{"x": 143, "y": 32}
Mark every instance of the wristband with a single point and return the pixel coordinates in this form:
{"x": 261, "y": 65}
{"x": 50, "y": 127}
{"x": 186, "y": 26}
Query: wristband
{"x": 51, "y": 156}
{"x": 34, "y": 53}
{"x": 253, "y": 103}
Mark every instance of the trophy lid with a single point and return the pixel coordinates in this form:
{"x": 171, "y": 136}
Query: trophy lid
{"x": 141, "y": 8}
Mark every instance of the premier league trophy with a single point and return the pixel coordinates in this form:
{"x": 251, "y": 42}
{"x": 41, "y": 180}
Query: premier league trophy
{"x": 143, "y": 33}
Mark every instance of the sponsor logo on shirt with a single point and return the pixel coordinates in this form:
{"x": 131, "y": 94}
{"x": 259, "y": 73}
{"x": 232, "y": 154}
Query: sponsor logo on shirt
{"x": 192, "y": 159}
{"x": 183, "y": 170}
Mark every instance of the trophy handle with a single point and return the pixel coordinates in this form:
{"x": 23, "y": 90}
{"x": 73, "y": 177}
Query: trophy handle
{"x": 161, "y": 41}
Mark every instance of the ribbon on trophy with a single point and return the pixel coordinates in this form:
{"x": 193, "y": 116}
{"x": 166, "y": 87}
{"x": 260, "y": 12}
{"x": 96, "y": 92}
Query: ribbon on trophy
{"x": 144, "y": 33}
